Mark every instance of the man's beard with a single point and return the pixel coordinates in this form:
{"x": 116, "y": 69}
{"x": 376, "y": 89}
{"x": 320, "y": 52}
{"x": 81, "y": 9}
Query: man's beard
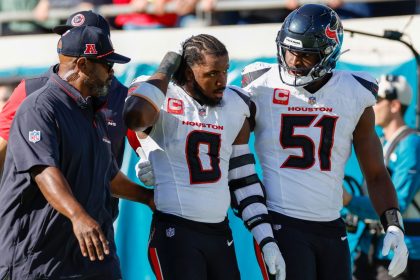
{"x": 98, "y": 90}
{"x": 198, "y": 94}
{"x": 102, "y": 91}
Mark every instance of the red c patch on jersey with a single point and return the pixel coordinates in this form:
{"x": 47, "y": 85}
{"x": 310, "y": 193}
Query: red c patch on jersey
{"x": 281, "y": 96}
{"x": 175, "y": 106}
{"x": 90, "y": 49}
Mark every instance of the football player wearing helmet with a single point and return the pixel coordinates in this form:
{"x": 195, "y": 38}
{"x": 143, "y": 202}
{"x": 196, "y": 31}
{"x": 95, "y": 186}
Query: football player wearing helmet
{"x": 195, "y": 133}
{"x": 306, "y": 115}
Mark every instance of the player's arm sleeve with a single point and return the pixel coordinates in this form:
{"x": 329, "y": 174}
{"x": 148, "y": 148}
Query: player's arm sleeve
{"x": 248, "y": 196}
{"x": 141, "y": 88}
{"x": 35, "y": 139}
{"x": 143, "y": 104}
{"x": 9, "y": 110}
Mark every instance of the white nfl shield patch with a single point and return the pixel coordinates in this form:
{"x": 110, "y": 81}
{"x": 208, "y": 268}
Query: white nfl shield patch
{"x": 312, "y": 100}
{"x": 34, "y": 136}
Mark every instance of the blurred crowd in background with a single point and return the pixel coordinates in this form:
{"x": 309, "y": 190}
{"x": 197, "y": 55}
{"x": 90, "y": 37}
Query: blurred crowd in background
{"x": 146, "y": 14}
{"x": 152, "y": 14}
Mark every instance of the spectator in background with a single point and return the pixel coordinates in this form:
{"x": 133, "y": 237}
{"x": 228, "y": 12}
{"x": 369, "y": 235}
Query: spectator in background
{"x": 40, "y": 25}
{"x": 351, "y": 10}
{"x": 41, "y": 11}
{"x": 43, "y": 8}
{"x": 186, "y": 11}
{"x": 344, "y": 10}
{"x": 5, "y": 92}
{"x": 253, "y": 16}
{"x": 401, "y": 151}
{"x": 142, "y": 20}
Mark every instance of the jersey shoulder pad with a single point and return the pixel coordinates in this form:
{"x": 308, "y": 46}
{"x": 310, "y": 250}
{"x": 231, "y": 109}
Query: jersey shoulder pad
{"x": 366, "y": 81}
{"x": 362, "y": 87}
{"x": 139, "y": 80}
{"x": 253, "y": 71}
{"x": 241, "y": 93}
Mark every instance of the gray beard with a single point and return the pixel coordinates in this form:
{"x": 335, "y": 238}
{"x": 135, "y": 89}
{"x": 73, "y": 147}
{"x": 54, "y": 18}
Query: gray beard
{"x": 102, "y": 91}
{"x": 98, "y": 91}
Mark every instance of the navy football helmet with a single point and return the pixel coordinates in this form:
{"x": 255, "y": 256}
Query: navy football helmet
{"x": 312, "y": 28}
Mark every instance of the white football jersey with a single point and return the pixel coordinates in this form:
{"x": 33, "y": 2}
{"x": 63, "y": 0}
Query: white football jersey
{"x": 303, "y": 140}
{"x": 189, "y": 148}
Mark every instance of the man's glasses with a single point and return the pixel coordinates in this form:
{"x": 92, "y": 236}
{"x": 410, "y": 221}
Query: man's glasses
{"x": 108, "y": 64}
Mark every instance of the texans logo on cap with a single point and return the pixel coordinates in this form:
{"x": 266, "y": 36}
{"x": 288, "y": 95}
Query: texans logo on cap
{"x": 78, "y": 20}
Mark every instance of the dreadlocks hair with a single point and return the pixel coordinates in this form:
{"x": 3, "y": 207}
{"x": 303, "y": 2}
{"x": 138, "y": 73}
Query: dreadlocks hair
{"x": 193, "y": 50}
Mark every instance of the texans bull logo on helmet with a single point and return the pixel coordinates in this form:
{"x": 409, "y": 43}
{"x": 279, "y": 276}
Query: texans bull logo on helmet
{"x": 332, "y": 33}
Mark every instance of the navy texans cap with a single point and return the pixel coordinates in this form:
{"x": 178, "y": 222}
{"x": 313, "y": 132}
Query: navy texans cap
{"x": 82, "y": 18}
{"x": 90, "y": 42}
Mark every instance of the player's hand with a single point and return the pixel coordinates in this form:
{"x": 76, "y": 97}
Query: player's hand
{"x": 170, "y": 63}
{"x": 274, "y": 260}
{"x": 92, "y": 240}
{"x": 144, "y": 172}
{"x": 394, "y": 240}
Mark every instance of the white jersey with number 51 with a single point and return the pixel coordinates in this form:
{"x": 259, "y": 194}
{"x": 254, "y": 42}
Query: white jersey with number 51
{"x": 303, "y": 140}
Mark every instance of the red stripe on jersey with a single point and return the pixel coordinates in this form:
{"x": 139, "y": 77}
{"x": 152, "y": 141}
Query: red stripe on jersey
{"x": 10, "y": 108}
{"x": 156, "y": 264}
{"x": 260, "y": 260}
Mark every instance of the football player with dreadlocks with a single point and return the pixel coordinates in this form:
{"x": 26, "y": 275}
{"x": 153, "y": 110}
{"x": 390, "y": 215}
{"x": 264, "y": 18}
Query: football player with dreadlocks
{"x": 306, "y": 116}
{"x": 195, "y": 133}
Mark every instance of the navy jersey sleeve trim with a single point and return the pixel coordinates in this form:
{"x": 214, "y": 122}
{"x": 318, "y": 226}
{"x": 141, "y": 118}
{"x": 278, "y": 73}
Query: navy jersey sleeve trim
{"x": 245, "y": 98}
{"x": 372, "y": 87}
